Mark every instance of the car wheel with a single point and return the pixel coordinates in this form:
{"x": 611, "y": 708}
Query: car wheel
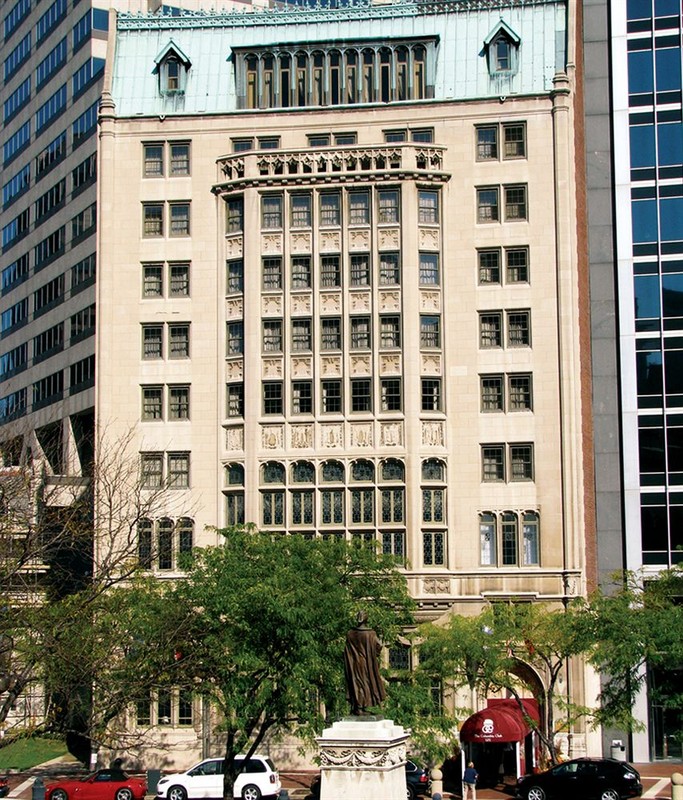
{"x": 59, "y": 794}
{"x": 124, "y": 794}
{"x": 610, "y": 794}
{"x": 410, "y": 794}
{"x": 251, "y": 792}
{"x": 535, "y": 793}
{"x": 176, "y": 793}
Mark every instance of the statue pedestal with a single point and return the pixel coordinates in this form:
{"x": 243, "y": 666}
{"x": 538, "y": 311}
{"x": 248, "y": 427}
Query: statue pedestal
{"x": 363, "y": 758}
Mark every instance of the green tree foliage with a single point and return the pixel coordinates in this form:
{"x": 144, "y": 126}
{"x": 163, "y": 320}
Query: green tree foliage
{"x": 268, "y": 617}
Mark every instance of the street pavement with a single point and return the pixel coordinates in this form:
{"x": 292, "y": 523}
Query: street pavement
{"x": 656, "y": 777}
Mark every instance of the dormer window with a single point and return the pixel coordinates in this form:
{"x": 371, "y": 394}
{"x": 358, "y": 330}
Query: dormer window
{"x": 502, "y": 47}
{"x": 172, "y": 67}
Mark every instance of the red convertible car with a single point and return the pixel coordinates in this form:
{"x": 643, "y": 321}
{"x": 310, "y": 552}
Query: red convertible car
{"x": 107, "y": 784}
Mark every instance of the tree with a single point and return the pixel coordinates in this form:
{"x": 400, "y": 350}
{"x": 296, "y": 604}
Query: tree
{"x": 268, "y": 616}
{"x": 508, "y": 645}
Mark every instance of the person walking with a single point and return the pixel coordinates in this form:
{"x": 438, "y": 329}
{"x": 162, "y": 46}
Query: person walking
{"x": 469, "y": 782}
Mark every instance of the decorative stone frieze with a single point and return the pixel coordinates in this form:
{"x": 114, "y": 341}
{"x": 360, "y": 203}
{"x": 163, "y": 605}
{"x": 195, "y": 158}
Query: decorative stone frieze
{"x": 432, "y": 433}
{"x": 330, "y": 366}
{"x": 359, "y": 240}
{"x": 360, "y": 301}
{"x": 234, "y": 438}
{"x": 234, "y": 369}
{"x": 272, "y": 437}
{"x": 389, "y": 238}
{"x": 430, "y": 301}
{"x": 392, "y": 434}
{"x": 390, "y": 364}
{"x": 271, "y": 244}
{"x": 361, "y": 434}
{"x": 234, "y": 308}
{"x": 271, "y": 305}
{"x": 330, "y": 242}
{"x": 390, "y": 301}
{"x": 436, "y": 585}
{"x": 300, "y": 242}
{"x": 330, "y": 302}
{"x": 301, "y": 304}
{"x": 429, "y": 238}
{"x": 234, "y": 246}
{"x": 361, "y": 365}
{"x": 331, "y": 436}
{"x": 431, "y": 364}
{"x": 272, "y": 368}
{"x": 302, "y": 367}
{"x": 301, "y": 436}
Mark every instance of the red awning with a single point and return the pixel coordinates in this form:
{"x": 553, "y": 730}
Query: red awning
{"x": 502, "y": 721}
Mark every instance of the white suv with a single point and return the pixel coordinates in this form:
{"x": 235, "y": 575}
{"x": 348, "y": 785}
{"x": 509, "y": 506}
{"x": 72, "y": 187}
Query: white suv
{"x": 255, "y": 779}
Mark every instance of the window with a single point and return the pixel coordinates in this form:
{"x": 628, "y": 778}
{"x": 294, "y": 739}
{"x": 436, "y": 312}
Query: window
{"x": 153, "y": 219}
{"x": 431, "y": 394}
{"x": 55, "y": 12}
{"x": 271, "y": 211}
{"x": 300, "y": 210}
{"x": 83, "y": 323}
{"x": 362, "y": 506}
{"x": 235, "y": 344}
{"x": 52, "y": 62}
{"x": 272, "y": 273}
{"x": 512, "y": 135}
{"x": 361, "y": 394}
{"x": 492, "y": 393}
{"x": 487, "y": 205}
{"x": 429, "y": 269}
{"x": 53, "y": 106}
{"x": 388, "y": 211}
{"x": 487, "y": 142}
{"x": 272, "y": 336}
{"x": 319, "y": 140}
{"x": 152, "y": 403}
{"x": 16, "y": 143}
{"x": 152, "y": 280}
{"x": 489, "y": 266}
{"x": 51, "y": 155}
{"x": 330, "y": 209}
{"x": 519, "y": 392}
{"x": 180, "y": 219}
{"x": 390, "y": 331}
{"x": 330, "y": 333}
{"x": 84, "y": 173}
{"x": 428, "y": 207}
{"x": 84, "y": 222}
{"x": 514, "y": 140}
{"x": 152, "y": 470}
{"x": 272, "y": 397}
{"x": 515, "y": 203}
{"x": 393, "y": 544}
{"x": 517, "y": 265}
{"x": 430, "y": 331}
{"x": 178, "y": 402}
{"x": 360, "y": 270}
{"x": 179, "y": 340}
{"x": 179, "y": 280}
{"x": 302, "y": 508}
{"x": 302, "y": 397}
{"x": 487, "y": 539}
{"x": 234, "y": 210}
{"x": 301, "y": 335}
{"x": 530, "y": 539}
{"x": 389, "y": 269}
{"x": 331, "y": 397}
{"x": 180, "y": 159}
{"x": 360, "y": 333}
{"x": 235, "y": 278}
{"x": 234, "y": 508}
{"x": 422, "y": 135}
{"x": 19, "y": 97}
{"x": 242, "y": 145}
{"x": 235, "y": 399}
{"x": 179, "y": 470}
{"x": 390, "y": 389}
{"x": 359, "y": 208}
{"x": 48, "y": 295}
{"x": 508, "y": 526}
{"x": 16, "y": 185}
{"x": 330, "y": 272}
{"x": 301, "y": 272}
{"x": 501, "y": 51}
{"x": 491, "y": 329}
{"x": 153, "y": 157}
{"x": 332, "y": 506}
{"x": 493, "y": 463}
{"x": 521, "y": 462}
{"x": 433, "y": 548}
{"x": 84, "y": 125}
{"x": 519, "y": 328}
{"x": 152, "y": 341}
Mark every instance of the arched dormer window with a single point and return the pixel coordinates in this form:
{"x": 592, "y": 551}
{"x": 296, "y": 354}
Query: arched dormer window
{"x": 172, "y": 67}
{"x": 502, "y": 48}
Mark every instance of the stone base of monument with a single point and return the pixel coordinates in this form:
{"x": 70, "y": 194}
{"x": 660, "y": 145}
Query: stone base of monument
{"x": 363, "y": 758}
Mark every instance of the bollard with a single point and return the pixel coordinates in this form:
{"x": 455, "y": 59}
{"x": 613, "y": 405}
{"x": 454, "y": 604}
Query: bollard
{"x": 284, "y": 795}
{"x": 677, "y": 786}
{"x": 437, "y": 781}
{"x": 38, "y": 789}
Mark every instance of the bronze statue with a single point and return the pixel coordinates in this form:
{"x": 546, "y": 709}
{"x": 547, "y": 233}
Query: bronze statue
{"x": 364, "y": 686}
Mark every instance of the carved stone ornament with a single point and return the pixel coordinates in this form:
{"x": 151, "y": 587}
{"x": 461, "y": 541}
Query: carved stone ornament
{"x": 390, "y": 364}
{"x": 330, "y": 366}
{"x": 436, "y": 585}
{"x": 359, "y": 240}
{"x": 271, "y": 305}
{"x": 330, "y": 302}
{"x": 301, "y": 436}
{"x": 430, "y": 301}
{"x": 272, "y": 437}
{"x": 362, "y": 757}
{"x": 361, "y": 434}
{"x": 272, "y": 367}
{"x": 234, "y": 308}
{"x": 360, "y": 301}
{"x": 330, "y": 242}
{"x": 234, "y": 439}
{"x": 389, "y": 239}
{"x": 300, "y": 242}
{"x": 431, "y": 364}
{"x": 432, "y": 433}
{"x": 301, "y": 304}
{"x": 271, "y": 243}
{"x": 302, "y": 367}
{"x": 429, "y": 239}
{"x": 234, "y": 246}
{"x": 360, "y": 365}
{"x": 331, "y": 436}
{"x": 235, "y": 369}
{"x": 392, "y": 434}
{"x": 389, "y": 301}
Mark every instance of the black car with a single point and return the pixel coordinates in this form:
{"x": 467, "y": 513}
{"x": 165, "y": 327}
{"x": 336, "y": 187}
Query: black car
{"x": 585, "y": 778}
{"x": 4, "y": 787}
{"x": 417, "y": 780}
